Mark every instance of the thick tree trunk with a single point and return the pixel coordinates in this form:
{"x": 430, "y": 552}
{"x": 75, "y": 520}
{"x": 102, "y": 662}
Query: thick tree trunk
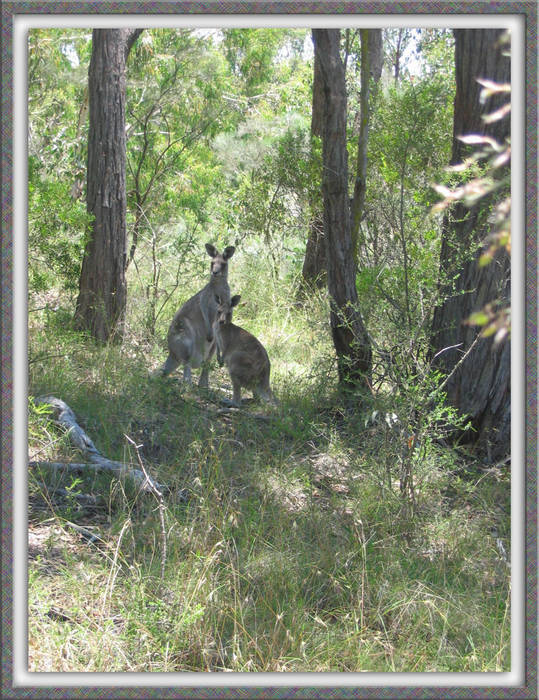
{"x": 481, "y": 386}
{"x": 354, "y": 355}
{"x": 102, "y": 296}
{"x": 314, "y": 264}
{"x": 371, "y": 70}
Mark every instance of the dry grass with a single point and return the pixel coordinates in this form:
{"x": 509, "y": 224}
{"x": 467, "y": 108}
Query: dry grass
{"x": 292, "y": 552}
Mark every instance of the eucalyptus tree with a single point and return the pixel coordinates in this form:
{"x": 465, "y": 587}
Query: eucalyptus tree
{"x": 371, "y": 70}
{"x": 370, "y": 59}
{"x": 314, "y": 264}
{"x": 479, "y": 382}
{"x": 397, "y": 42}
{"x": 101, "y": 303}
{"x": 352, "y": 345}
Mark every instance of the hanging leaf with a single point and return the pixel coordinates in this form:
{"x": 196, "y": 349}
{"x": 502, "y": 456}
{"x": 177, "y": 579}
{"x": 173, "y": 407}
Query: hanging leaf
{"x": 498, "y": 114}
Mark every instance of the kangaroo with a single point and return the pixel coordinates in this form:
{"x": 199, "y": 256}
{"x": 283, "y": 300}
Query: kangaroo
{"x": 191, "y": 340}
{"x": 244, "y": 355}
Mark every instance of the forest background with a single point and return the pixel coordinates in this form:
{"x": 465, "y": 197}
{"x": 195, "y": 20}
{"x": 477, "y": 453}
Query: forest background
{"x": 332, "y": 533}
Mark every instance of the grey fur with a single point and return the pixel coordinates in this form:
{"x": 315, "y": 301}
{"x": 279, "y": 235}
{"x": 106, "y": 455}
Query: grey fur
{"x": 190, "y": 337}
{"x": 244, "y": 355}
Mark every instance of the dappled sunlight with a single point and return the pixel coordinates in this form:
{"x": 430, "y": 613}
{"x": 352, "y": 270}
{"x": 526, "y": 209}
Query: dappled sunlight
{"x": 347, "y": 526}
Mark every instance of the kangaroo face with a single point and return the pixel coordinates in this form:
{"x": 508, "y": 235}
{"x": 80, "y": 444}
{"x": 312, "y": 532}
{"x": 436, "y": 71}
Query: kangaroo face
{"x": 224, "y": 309}
{"x": 219, "y": 263}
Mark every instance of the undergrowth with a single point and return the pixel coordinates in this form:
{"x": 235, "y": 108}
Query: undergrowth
{"x": 287, "y": 544}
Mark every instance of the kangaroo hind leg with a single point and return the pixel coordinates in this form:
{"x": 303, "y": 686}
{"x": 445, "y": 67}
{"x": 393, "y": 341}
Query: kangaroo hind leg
{"x": 236, "y": 396}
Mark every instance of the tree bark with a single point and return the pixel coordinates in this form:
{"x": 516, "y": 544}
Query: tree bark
{"x": 396, "y": 62}
{"x": 101, "y": 302}
{"x": 354, "y": 354}
{"x": 314, "y": 264}
{"x": 481, "y": 386}
{"x": 371, "y": 70}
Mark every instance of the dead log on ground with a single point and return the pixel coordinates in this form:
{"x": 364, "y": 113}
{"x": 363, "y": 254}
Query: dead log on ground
{"x": 64, "y": 417}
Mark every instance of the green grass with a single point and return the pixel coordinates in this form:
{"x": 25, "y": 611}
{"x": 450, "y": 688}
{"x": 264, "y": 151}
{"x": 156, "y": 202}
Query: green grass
{"x": 292, "y": 552}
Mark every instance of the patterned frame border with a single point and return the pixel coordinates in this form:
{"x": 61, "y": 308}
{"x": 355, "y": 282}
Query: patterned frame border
{"x": 529, "y": 10}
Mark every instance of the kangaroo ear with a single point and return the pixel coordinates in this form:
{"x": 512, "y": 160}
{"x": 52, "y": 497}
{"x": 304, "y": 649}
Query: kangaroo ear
{"x": 212, "y": 250}
{"x": 228, "y": 252}
{"x": 235, "y": 300}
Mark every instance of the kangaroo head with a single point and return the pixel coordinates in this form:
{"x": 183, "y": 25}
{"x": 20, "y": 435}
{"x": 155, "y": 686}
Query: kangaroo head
{"x": 219, "y": 264}
{"x": 224, "y": 308}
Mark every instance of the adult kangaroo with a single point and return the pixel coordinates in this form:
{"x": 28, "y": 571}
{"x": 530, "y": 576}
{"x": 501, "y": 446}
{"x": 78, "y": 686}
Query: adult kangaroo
{"x": 191, "y": 340}
{"x": 244, "y": 355}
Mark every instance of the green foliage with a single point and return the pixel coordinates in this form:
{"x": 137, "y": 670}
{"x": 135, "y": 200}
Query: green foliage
{"x": 57, "y": 219}
{"x": 313, "y": 538}
{"x": 176, "y": 106}
{"x": 272, "y": 199}
{"x": 409, "y": 143}
{"x": 422, "y": 110}
{"x": 435, "y": 52}
{"x": 57, "y": 226}
{"x": 38, "y": 422}
{"x": 258, "y": 57}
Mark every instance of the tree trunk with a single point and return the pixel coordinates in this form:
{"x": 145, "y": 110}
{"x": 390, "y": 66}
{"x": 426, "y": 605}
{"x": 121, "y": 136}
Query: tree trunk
{"x": 371, "y": 69}
{"x": 314, "y": 264}
{"x": 481, "y": 386}
{"x": 354, "y": 355}
{"x": 102, "y": 296}
{"x": 397, "y": 59}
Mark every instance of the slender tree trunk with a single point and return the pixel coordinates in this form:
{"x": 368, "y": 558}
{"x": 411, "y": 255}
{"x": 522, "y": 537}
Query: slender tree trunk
{"x": 371, "y": 70}
{"x": 354, "y": 355}
{"x": 481, "y": 386}
{"x": 102, "y": 296}
{"x": 314, "y": 264}
{"x": 398, "y": 56}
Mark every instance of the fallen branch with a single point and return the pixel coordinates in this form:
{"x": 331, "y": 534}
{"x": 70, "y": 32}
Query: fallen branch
{"x": 75, "y": 467}
{"x": 57, "y": 496}
{"x": 88, "y": 536}
{"x": 64, "y": 417}
{"x": 83, "y": 499}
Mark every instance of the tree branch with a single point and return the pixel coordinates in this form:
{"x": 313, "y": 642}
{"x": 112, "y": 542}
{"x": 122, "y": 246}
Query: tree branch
{"x": 131, "y": 35}
{"x": 64, "y": 417}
